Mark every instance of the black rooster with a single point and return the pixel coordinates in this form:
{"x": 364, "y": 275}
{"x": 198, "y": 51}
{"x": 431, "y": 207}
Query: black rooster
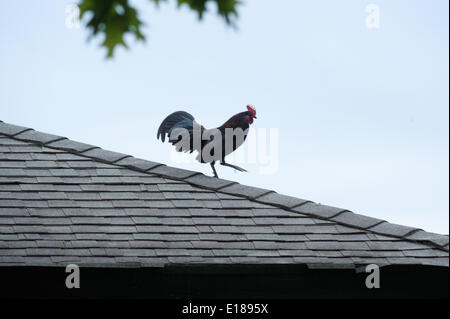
{"x": 188, "y": 136}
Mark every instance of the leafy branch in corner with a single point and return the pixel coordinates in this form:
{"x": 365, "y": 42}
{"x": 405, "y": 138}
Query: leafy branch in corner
{"x": 115, "y": 18}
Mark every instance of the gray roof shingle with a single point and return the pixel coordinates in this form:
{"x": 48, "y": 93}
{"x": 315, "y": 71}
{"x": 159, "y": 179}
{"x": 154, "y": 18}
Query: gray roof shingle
{"x": 62, "y": 201}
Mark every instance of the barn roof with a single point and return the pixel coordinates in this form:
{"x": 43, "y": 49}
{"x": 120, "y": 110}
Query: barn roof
{"x": 64, "y": 202}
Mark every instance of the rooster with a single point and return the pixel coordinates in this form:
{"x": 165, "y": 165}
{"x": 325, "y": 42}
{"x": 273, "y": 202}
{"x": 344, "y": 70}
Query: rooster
{"x": 212, "y": 144}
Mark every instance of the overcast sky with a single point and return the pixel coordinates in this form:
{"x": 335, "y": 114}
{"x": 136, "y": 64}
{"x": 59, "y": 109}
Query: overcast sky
{"x": 361, "y": 114}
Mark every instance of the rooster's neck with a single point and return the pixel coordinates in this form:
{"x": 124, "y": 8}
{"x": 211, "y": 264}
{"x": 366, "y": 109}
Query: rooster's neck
{"x": 239, "y": 120}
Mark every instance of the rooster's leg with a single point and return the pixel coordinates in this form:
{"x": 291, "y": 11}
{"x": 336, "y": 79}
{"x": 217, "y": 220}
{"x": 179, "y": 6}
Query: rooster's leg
{"x": 214, "y": 169}
{"x": 233, "y": 166}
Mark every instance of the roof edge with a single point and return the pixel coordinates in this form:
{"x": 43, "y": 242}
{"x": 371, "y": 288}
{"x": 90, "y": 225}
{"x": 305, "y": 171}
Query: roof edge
{"x": 340, "y": 216}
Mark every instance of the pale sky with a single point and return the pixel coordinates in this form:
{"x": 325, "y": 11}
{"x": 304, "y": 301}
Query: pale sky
{"x": 362, "y": 114}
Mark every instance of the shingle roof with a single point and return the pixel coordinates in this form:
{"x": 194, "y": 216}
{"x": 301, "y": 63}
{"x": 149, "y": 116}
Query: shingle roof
{"x": 62, "y": 201}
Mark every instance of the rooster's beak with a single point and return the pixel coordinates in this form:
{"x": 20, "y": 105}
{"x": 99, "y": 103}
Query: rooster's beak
{"x": 254, "y": 117}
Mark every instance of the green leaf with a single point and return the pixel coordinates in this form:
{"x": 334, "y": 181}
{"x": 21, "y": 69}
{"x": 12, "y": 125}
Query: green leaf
{"x": 225, "y": 8}
{"x": 115, "y": 18}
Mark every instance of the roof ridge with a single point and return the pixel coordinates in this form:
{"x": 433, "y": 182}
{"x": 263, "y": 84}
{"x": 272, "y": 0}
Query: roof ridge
{"x": 340, "y": 216}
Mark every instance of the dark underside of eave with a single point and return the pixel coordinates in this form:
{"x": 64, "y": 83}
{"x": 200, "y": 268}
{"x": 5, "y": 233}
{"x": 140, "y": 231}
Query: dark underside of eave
{"x": 225, "y": 282}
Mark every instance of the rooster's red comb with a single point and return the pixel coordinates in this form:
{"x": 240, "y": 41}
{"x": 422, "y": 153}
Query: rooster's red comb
{"x": 251, "y": 109}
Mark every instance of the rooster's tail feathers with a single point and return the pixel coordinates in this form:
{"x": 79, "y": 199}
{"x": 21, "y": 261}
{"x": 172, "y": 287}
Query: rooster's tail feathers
{"x": 178, "y": 119}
